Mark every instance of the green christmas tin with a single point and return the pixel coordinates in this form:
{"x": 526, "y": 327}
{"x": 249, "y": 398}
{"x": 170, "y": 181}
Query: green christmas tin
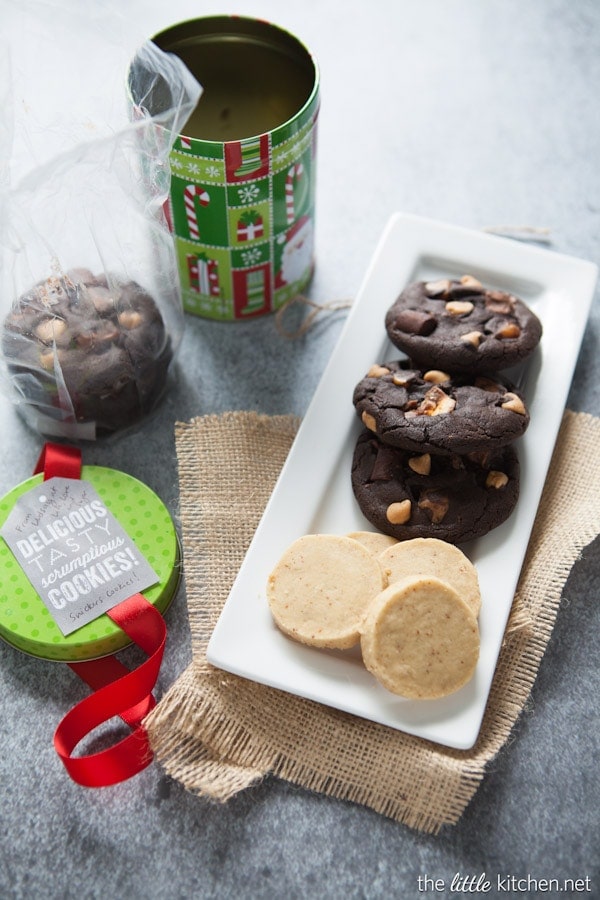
{"x": 25, "y": 620}
{"x": 242, "y": 192}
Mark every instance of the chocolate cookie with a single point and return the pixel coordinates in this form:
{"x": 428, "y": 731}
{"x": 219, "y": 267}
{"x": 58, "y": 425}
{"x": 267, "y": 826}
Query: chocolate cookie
{"x": 460, "y": 326}
{"x": 434, "y": 412}
{"x": 81, "y": 349}
{"x": 453, "y": 498}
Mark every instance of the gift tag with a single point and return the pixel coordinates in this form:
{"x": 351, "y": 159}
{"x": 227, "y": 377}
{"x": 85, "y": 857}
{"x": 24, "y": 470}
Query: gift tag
{"x": 71, "y": 550}
{"x": 76, "y": 555}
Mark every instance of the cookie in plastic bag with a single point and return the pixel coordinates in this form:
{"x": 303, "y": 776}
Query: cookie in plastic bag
{"x": 94, "y": 317}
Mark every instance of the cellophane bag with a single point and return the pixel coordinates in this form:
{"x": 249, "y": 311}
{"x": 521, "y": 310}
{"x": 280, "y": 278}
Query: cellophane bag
{"x": 90, "y": 306}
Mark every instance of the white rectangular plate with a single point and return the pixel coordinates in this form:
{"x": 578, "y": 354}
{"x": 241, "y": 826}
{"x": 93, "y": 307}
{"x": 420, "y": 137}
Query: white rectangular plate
{"x": 314, "y": 493}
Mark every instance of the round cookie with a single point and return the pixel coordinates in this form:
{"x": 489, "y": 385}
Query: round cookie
{"x": 435, "y": 558}
{"x": 374, "y": 541}
{"x": 457, "y": 499}
{"x": 431, "y": 411}
{"x": 420, "y": 640}
{"x": 460, "y": 326}
{"x": 82, "y": 349}
{"x": 319, "y": 591}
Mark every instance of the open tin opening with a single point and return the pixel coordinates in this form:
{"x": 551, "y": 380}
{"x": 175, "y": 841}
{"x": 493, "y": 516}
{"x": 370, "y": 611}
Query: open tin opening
{"x": 255, "y": 75}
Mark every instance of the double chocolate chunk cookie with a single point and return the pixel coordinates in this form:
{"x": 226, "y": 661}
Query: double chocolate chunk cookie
{"x": 453, "y": 498}
{"x": 85, "y": 349}
{"x": 432, "y": 411}
{"x": 460, "y": 326}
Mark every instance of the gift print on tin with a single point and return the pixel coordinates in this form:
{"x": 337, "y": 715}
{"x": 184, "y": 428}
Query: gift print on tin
{"x": 241, "y": 208}
{"x": 244, "y": 234}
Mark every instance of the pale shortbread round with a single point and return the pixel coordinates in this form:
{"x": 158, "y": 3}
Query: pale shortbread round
{"x": 320, "y": 589}
{"x": 419, "y": 639}
{"x": 374, "y": 541}
{"x": 432, "y": 557}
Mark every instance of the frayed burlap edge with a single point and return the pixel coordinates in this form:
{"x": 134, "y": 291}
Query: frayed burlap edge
{"x": 218, "y": 734}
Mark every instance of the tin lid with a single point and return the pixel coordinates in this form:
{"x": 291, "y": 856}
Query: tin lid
{"x": 26, "y": 623}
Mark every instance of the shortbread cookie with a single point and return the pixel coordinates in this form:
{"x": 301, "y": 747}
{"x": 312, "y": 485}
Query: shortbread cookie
{"x": 460, "y": 326}
{"x": 431, "y": 411}
{"x": 320, "y": 589}
{"x": 374, "y": 541}
{"x": 430, "y": 557}
{"x": 420, "y": 640}
{"x": 453, "y": 498}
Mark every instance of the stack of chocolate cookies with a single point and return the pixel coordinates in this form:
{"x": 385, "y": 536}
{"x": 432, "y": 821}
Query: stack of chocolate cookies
{"x": 436, "y": 457}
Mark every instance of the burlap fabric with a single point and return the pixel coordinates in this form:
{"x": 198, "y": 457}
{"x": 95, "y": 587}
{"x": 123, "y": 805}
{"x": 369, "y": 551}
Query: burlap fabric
{"x": 218, "y": 734}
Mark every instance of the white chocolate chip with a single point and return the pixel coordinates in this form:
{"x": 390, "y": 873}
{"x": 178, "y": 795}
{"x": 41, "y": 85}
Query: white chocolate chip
{"x": 436, "y": 376}
{"x": 514, "y": 403}
{"x": 129, "y": 319}
{"x": 459, "y": 307}
{"x": 368, "y": 421}
{"x": 496, "y": 479}
{"x": 472, "y": 337}
{"x": 432, "y": 288}
{"x": 421, "y": 464}
{"x": 47, "y": 360}
{"x": 509, "y": 331}
{"x": 50, "y": 329}
{"x": 470, "y": 281}
{"x": 377, "y": 371}
{"x": 399, "y": 513}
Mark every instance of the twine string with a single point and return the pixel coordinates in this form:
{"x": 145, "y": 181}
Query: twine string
{"x": 516, "y": 232}
{"x": 307, "y": 322}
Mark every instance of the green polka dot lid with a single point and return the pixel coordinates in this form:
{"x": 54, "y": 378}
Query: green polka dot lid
{"x": 25, "y": 621}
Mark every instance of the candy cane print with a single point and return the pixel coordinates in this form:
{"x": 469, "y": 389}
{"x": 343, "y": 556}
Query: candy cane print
{"x": 294, "y": 173}
{"x": 192, "y": 193}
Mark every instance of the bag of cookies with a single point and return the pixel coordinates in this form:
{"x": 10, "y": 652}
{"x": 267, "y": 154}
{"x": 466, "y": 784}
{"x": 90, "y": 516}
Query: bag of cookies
{"x": 91, "y": 313}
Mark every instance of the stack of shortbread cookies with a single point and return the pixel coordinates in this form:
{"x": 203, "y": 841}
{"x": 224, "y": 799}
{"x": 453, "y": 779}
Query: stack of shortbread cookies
{"x": 412, "y": 606}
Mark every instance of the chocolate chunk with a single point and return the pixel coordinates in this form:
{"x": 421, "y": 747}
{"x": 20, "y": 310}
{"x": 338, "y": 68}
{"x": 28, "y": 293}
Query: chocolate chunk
{"x": 414, "y": 321}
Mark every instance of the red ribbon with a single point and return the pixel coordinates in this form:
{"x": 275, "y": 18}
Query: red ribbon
{"x": 59, "y": 461}
{"x": 117, "y": 690}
